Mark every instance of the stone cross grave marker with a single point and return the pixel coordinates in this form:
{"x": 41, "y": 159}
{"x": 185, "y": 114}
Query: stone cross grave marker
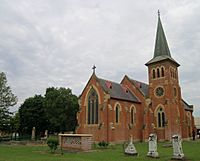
{"x": 153, "y": 146}
{"x": 130, "y": 149}
{"x": 177, "y": 147}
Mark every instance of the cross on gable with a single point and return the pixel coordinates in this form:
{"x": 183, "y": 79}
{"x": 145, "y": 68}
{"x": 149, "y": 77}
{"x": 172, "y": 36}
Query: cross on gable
{"x": 94, "y": 67}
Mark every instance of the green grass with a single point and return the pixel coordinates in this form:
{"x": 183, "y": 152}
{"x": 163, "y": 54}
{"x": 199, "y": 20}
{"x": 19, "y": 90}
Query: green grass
{"x": 41, "y": 153}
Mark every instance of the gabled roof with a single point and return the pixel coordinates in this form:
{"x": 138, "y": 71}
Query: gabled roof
{"x": 161, "y": 51}
{"x": 117, "y": 91}
{"x": 142, "y": 87}
{"x": 92, "y": 76}
{"x": 121, "y": 92}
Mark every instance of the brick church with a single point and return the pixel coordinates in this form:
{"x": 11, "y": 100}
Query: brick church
{"x": 113, "y": 111}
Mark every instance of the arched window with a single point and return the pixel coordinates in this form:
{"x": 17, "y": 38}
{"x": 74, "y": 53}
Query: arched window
{"x": 92, "y": 107}
{"x": 154, "y": 73}
{"x": 158, "y": 72}
{"x": 132, "y": 115}
{"x": 161, "y": 117}
{"x": 171, "y": 72}
{"x": 175, "y": 74}
{"x": 189, "y": 118}
{"x": 162, "y": 72}
{"x": 175, "y": 91}
{"x": 117, "y": 114}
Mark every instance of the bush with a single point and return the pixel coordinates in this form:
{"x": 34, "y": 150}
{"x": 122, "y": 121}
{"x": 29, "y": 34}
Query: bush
{"x": 103, "y": 144}
{"x": 52, "y": 142}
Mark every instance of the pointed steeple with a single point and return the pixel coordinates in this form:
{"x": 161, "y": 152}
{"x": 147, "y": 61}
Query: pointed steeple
{"x": 161, "y": 46}
{"x": 161, "y": 50}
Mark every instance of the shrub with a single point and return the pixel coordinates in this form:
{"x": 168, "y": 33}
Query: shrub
{"x": 52, "y": 142}
{"x": 103, "y": 144}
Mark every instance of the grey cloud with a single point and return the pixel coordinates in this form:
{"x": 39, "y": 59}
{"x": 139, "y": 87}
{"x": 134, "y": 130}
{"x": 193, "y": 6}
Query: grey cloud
{"x": 55, "y": 43}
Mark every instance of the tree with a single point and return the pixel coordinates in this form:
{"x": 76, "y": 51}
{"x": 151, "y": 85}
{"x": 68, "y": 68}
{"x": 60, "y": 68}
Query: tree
{"x": 15, "y": 123}
{"x": 61, "y": 108}
{"x": 7, "y": 99}
{"x": 32, "y": 114}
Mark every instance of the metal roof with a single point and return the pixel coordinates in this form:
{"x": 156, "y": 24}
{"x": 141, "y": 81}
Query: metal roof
{"x": 187, "y": 106}
{"x": 143, "y": 87}
{"x": 117, "y": 91}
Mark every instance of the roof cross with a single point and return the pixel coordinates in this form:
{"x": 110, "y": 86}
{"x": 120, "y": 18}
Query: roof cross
{"x": 93, "y": 68}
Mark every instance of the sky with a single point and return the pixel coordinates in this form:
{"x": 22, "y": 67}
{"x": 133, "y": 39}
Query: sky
{"x": 48, "y": 43}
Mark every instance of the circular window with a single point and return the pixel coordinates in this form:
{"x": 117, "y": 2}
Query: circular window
{"x": 159, "y": 91}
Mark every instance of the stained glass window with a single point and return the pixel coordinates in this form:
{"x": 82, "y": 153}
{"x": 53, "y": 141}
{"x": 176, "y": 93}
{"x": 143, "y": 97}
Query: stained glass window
{"x": 93, "y": 104}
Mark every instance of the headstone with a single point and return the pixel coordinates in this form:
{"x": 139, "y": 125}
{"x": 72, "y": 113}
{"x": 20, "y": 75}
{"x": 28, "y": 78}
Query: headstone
{"x": 13, "y": 136}
{"x": 46, "y": 134}
{"x": 17, "y": 136}
{"x": 33, "y": 134}
{"x": 153, "y": 146}
{"x": 177, "y": 147}
{"x": 130, "y": 149}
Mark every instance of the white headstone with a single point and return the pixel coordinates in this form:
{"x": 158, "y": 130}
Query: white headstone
{"x": 46, "y": 134}
{"x": 13, "y": 135}
{"x": 153, "y": 146}
{"x": 130, "y": 149}
{"x": 177, "y": 147}
{"x": 33, "y": 134}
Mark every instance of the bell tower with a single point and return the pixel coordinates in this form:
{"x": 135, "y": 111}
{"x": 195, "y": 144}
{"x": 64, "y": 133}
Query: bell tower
{"x": 164, "y": 89}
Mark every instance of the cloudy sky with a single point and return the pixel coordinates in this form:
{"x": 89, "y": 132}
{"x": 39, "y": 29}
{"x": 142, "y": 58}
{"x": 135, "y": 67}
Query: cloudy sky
{"x": 47, "y": 43}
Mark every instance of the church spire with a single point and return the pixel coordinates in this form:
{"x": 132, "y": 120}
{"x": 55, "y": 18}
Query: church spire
{"x": 161, "y": 46}
{"x": 161, "y": 50}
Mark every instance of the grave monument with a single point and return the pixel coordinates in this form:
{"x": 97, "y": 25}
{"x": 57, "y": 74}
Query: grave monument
{"x": 33, "y": 134}
{"x": 130, "y": 149}
{"x": 177, "y": 147}
{"x": 153, "y": 146}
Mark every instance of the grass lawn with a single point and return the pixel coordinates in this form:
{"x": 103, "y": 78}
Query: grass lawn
{"x": 41, "y": 153}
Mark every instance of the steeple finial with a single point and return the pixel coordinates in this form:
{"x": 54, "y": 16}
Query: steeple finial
{"x": 158, "y": 13}
{"x": 93, "y": 68}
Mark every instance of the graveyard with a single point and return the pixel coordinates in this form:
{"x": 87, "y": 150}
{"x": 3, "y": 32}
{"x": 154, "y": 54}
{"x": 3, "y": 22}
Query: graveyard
{"x": 41, "y": 152}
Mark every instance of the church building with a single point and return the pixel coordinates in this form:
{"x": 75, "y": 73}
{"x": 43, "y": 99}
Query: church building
{"x": 113, "y": 112}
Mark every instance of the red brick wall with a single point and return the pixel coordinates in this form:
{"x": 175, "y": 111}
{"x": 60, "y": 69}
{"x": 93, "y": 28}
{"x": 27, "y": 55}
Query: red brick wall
{"x": 145, "y": 117}
{"x": 142, "y": 118}
{"x": 84, "y": 128}
{"x": 109, "y": 130}
{"x": 173, "y": 106}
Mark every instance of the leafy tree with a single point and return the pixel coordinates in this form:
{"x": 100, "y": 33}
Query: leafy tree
{"x": 32, "y": 114}
{"x": 7, "y": 99}
{"x": 61, "y": 108}
{"x": 15, "y": 122}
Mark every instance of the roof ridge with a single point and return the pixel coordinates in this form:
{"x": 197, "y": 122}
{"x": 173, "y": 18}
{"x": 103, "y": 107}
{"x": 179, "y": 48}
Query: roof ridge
{"x": 137, "y": 81}
{"x": 117, "y": 90}
{"x": 108, "y": 80}
{"x": 143, "y": 87}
